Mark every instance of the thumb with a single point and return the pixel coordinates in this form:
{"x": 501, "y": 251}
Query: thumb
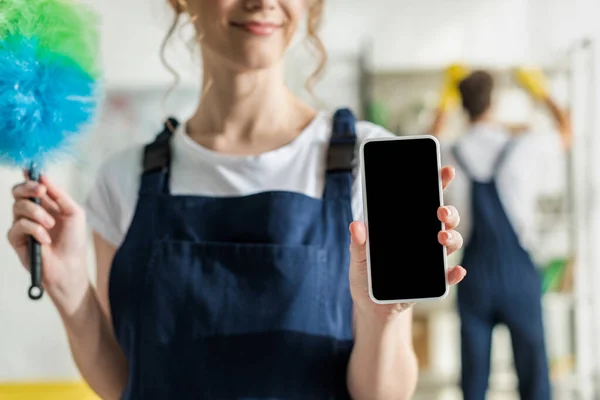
{"x": 358, "y": 239}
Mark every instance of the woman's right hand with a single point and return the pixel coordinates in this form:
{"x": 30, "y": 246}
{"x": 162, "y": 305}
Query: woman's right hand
{"x": 59, "y": 225}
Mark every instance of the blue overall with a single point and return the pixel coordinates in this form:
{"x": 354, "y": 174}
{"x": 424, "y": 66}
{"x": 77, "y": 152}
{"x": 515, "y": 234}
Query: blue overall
{"x": 237, "y": 297}
{"x": 502, "y": 286}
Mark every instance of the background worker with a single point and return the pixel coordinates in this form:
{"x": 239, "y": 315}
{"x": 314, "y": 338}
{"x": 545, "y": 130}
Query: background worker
{"x": 498, "y": 183}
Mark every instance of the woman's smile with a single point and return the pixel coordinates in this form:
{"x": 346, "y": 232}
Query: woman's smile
{"x": 257, "y": 28}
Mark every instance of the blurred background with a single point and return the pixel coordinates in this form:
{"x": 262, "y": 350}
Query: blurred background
{"x": 386, "y": 61}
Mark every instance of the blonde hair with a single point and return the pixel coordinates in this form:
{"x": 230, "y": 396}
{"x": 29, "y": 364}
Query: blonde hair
{"x": 314, "y": 21}
{"x": 168, "y": 66}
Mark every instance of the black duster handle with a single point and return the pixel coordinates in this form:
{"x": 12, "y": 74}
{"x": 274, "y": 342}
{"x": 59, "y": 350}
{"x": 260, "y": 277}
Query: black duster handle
{"x": 35, "y": 253}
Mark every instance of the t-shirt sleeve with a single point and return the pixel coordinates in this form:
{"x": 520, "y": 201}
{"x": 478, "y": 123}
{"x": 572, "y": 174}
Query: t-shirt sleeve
{"x": 364, "y": 130}
{"x": 111, "y": 201}
{"x": 102, "y": 207}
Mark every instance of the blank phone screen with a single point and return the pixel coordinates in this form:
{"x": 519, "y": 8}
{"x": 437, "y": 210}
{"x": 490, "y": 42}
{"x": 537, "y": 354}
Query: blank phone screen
{"x": 402, "y": 198}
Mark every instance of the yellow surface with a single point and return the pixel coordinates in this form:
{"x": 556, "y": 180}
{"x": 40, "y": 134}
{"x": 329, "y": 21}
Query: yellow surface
{"x": 46, "y": 391}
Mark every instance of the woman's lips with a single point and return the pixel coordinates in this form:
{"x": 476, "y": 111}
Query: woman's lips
{"x": 257, "y": 28}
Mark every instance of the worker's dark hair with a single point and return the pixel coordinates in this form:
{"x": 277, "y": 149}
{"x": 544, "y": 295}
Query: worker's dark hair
{"x": 476, "y": 92}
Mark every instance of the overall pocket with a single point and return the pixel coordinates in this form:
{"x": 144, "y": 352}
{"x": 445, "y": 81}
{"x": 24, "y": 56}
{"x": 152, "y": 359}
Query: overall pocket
{"x": 230, "y": 288}
{"x": 230, "y": 309}
{"x": 233, "y": 320}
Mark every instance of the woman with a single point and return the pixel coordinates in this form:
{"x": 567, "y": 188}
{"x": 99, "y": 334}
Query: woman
{"x": 225, "y": 241}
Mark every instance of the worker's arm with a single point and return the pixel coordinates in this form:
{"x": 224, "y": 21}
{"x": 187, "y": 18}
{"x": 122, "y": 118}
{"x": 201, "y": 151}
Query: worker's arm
{"x": 449, "y": 98}
{"x": 93, "y": 344}
{"x": 562, "y": 120}
{"x": 439, "y": 122}
{"x": 534, "y": 82}
{"x": 383, "y": 364}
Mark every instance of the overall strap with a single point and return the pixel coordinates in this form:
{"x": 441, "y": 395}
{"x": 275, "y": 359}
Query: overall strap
{"x": 497, "y": 164}
{"x": 341, "y": 155}
{"x": 504, "y": 153}
{"x": 157, "y": 160}
{"x": 461, "y": 163}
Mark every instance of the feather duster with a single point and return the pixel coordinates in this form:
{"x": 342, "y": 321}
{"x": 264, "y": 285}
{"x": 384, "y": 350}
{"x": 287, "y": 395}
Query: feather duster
{"x": 49, "y": 81}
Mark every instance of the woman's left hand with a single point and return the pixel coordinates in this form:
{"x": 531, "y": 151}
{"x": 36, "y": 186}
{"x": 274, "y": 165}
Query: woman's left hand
{"x": 359, "y": 285}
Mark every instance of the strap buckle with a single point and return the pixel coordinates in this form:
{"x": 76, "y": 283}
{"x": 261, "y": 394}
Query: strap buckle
{"x": 157, "y": 155}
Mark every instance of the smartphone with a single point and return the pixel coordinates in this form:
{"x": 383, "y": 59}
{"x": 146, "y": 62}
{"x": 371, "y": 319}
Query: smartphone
{"x": 402, "y": 191}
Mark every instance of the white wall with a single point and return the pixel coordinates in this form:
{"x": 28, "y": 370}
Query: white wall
{"x": 432, "y": 33}
{"x": 131, "y": 35}
{"x": 406, "y": 34}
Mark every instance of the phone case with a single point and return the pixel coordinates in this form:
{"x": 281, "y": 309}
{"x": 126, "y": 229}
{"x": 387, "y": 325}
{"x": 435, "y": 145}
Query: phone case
{"x": 366, "y": 217}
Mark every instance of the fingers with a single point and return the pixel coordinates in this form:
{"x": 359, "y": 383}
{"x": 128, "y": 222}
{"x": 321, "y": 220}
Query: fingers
{"x": 449, "y": 216}
{"x": 28, "y": 190}
{"x": 53, "y": 198}
{"x": 66, "y": 204}
{"x": 456, "y": 274}
{"x": 23, "y": 229}
{"x": 358, "y": 238}
{"x": 31, "y": 189}
{"x": 451, "y": 239}
{"x": 50, "y": 205}
{"x": 29, "y": 210}
{"x": 448, "y": 174}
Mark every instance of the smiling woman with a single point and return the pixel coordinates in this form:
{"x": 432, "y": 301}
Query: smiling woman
{"x": 222, "y": 247}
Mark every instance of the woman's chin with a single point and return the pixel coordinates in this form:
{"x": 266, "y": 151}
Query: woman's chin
{"x": 258, "y": 56}
{"x": 256, "y": 62}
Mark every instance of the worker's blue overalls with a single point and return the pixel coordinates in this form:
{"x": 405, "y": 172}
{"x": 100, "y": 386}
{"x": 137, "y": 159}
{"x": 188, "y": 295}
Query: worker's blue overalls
{"x": 502, "y": 286}
{"x": 237, "y": 297}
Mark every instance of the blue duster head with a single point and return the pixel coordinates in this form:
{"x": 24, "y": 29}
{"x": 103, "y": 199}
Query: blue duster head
{"x": 48, "y": 79}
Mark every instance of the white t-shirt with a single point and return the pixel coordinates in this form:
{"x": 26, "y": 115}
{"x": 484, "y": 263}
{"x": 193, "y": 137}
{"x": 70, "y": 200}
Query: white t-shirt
{"x": 528, "y": 171}
{"x": 297, "y": 167}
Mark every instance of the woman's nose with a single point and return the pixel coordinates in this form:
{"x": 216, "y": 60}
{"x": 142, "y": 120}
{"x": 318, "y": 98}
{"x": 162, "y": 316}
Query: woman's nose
{"x": 258, "y": 5}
